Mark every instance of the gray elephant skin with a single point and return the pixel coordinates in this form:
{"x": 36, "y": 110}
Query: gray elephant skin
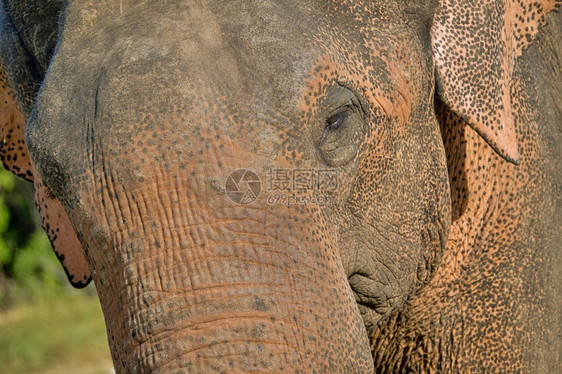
{"x": 302, "y": 186}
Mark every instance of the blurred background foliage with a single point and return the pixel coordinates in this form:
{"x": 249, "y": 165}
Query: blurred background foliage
{"x": 29, "y": 268}
{"x": 46, "y": 326}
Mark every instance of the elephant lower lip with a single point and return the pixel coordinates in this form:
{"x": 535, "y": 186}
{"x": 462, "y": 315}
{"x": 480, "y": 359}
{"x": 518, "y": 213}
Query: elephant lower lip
{"x": 374, "y": 307}
{"x": 370, "y": 294}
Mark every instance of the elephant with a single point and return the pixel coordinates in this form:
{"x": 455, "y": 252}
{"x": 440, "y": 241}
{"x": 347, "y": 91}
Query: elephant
{"x": 336, "y": 186}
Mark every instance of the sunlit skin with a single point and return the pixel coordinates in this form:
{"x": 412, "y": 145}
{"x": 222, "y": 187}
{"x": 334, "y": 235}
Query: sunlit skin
{"x": 432, "y": 250}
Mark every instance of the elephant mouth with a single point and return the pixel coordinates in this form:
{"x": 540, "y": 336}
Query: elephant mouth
{"x": 372, "y": 297}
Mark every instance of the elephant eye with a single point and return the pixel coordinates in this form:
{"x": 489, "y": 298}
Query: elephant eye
{"x": 336, "y": 121}
{"x": 344, "y": 124}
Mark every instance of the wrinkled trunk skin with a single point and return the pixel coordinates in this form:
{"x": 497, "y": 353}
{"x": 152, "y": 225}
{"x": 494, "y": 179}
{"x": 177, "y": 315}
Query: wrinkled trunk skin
{"x": 189, "y": 281}
{"x": 163, "y": 106}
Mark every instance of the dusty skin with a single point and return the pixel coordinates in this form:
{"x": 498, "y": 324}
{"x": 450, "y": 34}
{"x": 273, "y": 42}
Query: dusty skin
{"x": 164, "y": 139}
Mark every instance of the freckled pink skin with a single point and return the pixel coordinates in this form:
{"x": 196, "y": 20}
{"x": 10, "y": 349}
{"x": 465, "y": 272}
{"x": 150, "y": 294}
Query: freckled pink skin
{"x": 437, "y": 248}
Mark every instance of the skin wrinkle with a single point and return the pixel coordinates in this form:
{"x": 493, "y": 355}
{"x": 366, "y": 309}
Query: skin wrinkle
{"x": 147, "y": 197}
{"x": 178, "y": 226}
{"x": 377, "y": 258}
{"x": 192, "y": 323}
{"x": 165, "y": 362}
{"x": 379, "y": 244}
{"x": 202, "y": 290}
{"x": 201, "y": 326}
{"x": 383, "y": 237}
{"x": 251, "y": 341}
{"x": 211, "y": 259}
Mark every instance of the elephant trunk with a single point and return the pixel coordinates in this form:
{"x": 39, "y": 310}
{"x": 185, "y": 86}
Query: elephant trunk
{"x": 191, "y": 281}
{"x": 187, "y": 278}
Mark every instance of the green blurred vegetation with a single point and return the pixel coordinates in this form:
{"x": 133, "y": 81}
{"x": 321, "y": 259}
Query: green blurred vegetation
{"x": 57, "y": 334}
{"x": 29, "y": 268}
{"x": 46, "y": 326}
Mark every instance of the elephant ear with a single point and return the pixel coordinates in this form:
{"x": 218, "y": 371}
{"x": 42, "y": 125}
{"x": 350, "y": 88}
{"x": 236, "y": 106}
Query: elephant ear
{"x": 13, "y": 152}
{"x": 15, "y": 157}
{"x": 476, "y": 44}
{"x": 61, "y": 234}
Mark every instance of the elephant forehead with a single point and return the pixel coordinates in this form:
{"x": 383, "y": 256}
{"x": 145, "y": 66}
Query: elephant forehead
{"x": 211, "y": 48}
{"x": 173, "y": 77}
{"x": 253, "y": 48}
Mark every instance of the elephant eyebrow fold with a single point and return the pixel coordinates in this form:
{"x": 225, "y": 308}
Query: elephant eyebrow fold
{"x": 394, "y": 99}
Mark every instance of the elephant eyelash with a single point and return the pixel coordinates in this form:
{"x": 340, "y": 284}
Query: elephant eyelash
{"x": 335, "y": 121}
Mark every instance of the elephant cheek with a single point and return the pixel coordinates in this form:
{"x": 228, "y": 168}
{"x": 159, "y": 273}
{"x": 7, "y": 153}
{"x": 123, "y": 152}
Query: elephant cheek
{"x": 188, "y": 281}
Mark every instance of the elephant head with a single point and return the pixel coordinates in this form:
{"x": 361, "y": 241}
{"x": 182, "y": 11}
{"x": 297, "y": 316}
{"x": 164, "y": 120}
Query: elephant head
{"x": 153, "y": 119}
